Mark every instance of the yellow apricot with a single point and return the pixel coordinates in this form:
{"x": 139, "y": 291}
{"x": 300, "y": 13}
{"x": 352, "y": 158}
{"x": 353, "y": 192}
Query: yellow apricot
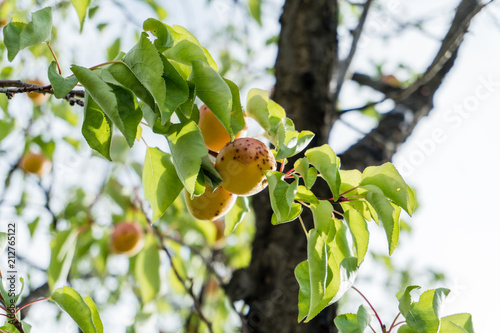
{"x": 127, "y": 238}
{"x": 38, "y": 98}
{"x": 242, "y": 164}
{"x": 210, "y": 205}
{"x": 35, "y": 163}
{"x": 214, "y": 133}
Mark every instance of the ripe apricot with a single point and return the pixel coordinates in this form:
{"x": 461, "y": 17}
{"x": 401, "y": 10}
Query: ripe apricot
{"x": 214, "y": 133}
{"x": 242, "y": 164}
{"x": 38, "y": 98}
{"x": 127, "y": 238}
{"x": 210, "y": 205}
{"x": 35, "y": 163}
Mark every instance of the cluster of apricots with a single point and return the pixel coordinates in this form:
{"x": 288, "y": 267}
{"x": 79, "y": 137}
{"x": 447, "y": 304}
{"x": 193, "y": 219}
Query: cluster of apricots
{"x": 240, "y": 163}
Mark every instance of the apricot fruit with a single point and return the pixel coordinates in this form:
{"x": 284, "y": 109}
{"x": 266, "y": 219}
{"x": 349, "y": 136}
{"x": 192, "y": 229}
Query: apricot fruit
{"x": 210, "y": 205}
{"x": 35, "y": 163}
{"x": 214, "y": 133}
{"x": 242, "y": 164}
{"x": 127, "y": 238}
{"x": 38, "y": 98}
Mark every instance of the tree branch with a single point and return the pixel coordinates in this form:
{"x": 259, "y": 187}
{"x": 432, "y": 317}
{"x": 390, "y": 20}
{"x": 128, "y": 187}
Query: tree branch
{"x": 12, "y": 87}
{"x": 344, "y": 65}
{"x": 412, "y": 103}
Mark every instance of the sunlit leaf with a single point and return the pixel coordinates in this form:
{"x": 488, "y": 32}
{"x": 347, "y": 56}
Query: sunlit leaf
{"x": 388, "y": 179}
{"x": 184, "y": 138}
{"x": 327, "y": 163}
{"x": 62, "y": 250}
{"x": 81, "y": 7}
{"x": 97, "y": 128}
{"x": 236, "y": 214}
{"x": 75, "y": 305}
{"x": 18, "y": 36}
{"x": 387, "y": 212}
{"x": 214, "y": 92}
{"x": 160, "y": 181}
{"x": 359, "y": 230}
{"x": 147, "y": 270}
{"x": 159, "y": 30}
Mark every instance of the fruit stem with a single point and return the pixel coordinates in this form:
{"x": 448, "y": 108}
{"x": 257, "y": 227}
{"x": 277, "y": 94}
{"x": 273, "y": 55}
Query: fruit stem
{"x": 352, "y": 189}
{"x": 371, "y": 306}
{"x": 394, "y": 323}
{"x": 303, "y": 226}
{"x": 30, "y": 303}
{"x": 55, "y": 58}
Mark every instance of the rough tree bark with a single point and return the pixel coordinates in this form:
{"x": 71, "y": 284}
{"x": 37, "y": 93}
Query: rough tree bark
{"x": 306, "y": 64}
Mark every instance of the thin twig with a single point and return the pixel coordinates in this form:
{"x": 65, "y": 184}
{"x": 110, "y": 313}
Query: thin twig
{"x": 355, "y": 39}
{"x": 371, "y": 306}
{"x": 188, "y": 289}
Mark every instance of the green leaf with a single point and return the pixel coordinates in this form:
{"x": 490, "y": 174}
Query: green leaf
{"x": 423, "y": 316}
{"x": 308, "y": 174}
{"x": 97, "y": 128}
{"x": 237, "y": 116}
{"x": 282, "y": 195}
{"x": 147, "y": 270}
{"x": 3, "y": 242}
{"x": 184, "y": 138}
{"x": 323, "y": 220}
{"x": 317, "y": 258}
{"x": 388, "y": 179}
{"x": 117, "y": 103}
{"x": 176, "y": 88}
{"x": 353, "y": 323}
{"x": 74, "y": 304}
{"x": 60, "y": 85}
{"x": 404, "y": 298}
{"x": 186, "y": 49}
{"x": 359, "y": 230}
{"x": 254, "y": 7}
{"x": 145, "y": 62}
{"x": 236, "y": 214}
{"x": 327, "y": 163}
{"x": 387, "y": 212}
{"x": 9, "y": 297}
{"x": 349, "y": 180}
{"x": 62, "y": 250}
{"x": 267, "y": 112}
{"x": 305, "y": 195}
{"x": 457, "y": 323}
{"x": 291, "y": 142}
{"x": 96, "y": 319}
{"x": 160, "y": 181}
{"x": 302, "y": 276}
{"x": 212, "y": 176}
{"x": 214, "y": 92}
{"x": 121, "y": 75}
{"x": 18, "y": 36}
{"x": 81, "y": 7}
{"x": 6, "y": 127}
{"x": 163, "y": 39}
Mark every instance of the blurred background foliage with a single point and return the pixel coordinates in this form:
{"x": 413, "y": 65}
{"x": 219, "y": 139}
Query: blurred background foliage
{"x": 85, "y": 194}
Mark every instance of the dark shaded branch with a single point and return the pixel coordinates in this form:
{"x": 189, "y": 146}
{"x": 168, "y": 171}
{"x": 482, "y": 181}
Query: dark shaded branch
{"x": 12, "y": 87}
{"x": 412, "y": 103}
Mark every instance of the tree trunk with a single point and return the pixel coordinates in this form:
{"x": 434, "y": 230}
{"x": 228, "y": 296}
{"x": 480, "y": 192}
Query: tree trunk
{"x": 306, "y": 59}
